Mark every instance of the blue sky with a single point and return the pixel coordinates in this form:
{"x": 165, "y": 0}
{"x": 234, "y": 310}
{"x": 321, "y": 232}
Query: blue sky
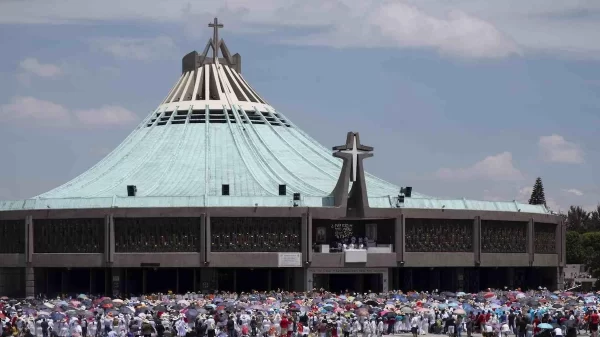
{"x": 459, "y": 98}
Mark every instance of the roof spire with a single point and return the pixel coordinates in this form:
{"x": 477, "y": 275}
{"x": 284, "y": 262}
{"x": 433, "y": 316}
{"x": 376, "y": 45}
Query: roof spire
{"x": 215, "y": 25}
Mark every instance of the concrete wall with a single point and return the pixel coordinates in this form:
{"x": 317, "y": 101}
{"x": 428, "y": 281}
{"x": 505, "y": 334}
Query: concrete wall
{"x": 204, "y": 258}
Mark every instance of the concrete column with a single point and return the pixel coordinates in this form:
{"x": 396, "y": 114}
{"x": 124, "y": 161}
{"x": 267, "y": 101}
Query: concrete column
{"x": 107, "y": 238}
{"x": 560, "y": 278}
{"x": 207, "y": 239}
{"x": 29, "y": 244}
{"x": 399, "y": 238}
{"x": 202, "y": 243}
{"x": 29, "y": 239}
{"x": 477, "y": 240}
{"x": 29, "y": 281}
{"x": 114, "y": 275}
{"x": 460, "y": 279}
{"x": 304, "y": 238}
{"x": 309, "y": 237}
{"x": 109, "y": 225}
{"x": 558, "y": 240}
{"x": 530, "y": 241}
{"x": 563, "y": 250}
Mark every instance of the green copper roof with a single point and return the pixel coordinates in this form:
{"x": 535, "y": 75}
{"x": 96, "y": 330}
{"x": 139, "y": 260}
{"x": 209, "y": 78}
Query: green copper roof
{"x": 212, "y": 130}
{"x": 195, "y": 160}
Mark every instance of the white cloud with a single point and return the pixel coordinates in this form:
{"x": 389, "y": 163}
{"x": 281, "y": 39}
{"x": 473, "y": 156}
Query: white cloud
{"x": 136, "y": 49}
{"x": 553, "y": 205}
{"x": 556, "y": 149}
{"x": 36, "y": 112}
{"x": 105, "y": 116}
{"x": 466, "y": 28}
{"x": 401, "y": 25}
{"x": 574, "y": 191}
{"x": 31, "y": 110}
{"x": 487, "y": 28}
{"x": 499, "y": 167}
{"x": 524, "y": 194}
{"x": 31, "y": 65}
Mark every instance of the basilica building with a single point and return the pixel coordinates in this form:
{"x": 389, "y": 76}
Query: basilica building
{"x": 218, "y": 190}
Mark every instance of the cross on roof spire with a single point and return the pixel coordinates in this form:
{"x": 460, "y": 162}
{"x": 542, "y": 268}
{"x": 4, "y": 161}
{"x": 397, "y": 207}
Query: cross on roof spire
{"x": 215, "y": 25}
{"x": 353, "y": 151}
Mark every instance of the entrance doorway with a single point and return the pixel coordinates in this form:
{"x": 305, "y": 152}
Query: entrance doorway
{"x": 350, "y": 279}
{"x": 340, "y": 283}
{"x": 248, "y": 279}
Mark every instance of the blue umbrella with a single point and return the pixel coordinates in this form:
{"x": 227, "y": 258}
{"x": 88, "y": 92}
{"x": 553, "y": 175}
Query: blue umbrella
{"x": 545, "y": 326}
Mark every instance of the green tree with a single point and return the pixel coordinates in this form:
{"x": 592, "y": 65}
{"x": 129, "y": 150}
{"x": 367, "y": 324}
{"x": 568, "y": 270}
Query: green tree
{"x": 577, "y": 219}
{"x": 594, "y": 222}
{"x": 591, "y": 250}
{"x": 537, "y": 194}
{"x": 575, "y": 248}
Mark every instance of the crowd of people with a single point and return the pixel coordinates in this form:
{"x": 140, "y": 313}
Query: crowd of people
{"x": 318, "y": 313}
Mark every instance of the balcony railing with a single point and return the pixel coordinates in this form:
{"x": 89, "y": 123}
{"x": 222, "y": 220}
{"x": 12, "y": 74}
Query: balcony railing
{"x": 356, "y": 254}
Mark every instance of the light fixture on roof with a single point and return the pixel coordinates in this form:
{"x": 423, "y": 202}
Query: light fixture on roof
{"x": 399, "y": 200}
{"x": 406, "y": 191}
{"x": 131, "y": 190}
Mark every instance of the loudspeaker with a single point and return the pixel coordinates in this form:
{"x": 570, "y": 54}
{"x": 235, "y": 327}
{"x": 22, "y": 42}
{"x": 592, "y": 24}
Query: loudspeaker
{"x": 296, "y": 196}
{"x": 408, "y": 191}
{"x": 131, "y": 190}
{"x": 401, "y": 199}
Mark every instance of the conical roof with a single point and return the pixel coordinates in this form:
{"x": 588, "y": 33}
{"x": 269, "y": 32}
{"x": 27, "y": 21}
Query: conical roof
{"x": 214, "y": 129}
{"x": 214, "y": 141}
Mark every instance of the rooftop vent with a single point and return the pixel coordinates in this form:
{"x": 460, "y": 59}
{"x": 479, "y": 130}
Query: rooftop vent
{"x": 131, "y": 190}
{"x": 399, "y": 200}
{"x": 407, "y": 191}
{"x": 296, "y": 196}
{"x": 225, "y": 189}
{"x": 282, "y": 190}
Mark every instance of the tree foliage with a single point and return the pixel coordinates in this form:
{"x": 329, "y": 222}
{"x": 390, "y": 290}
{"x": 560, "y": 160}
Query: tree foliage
{"x": 595, "y": 219}
{"x": 591, "y": 249}
{"x": 575, "y": 248}
{"x": 578, "y": 219}
{"x": 583, "y": 238}
{"x": 537, "y": 194}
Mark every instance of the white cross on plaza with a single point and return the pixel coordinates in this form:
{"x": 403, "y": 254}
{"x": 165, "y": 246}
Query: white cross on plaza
{"x": 354, "y": 152}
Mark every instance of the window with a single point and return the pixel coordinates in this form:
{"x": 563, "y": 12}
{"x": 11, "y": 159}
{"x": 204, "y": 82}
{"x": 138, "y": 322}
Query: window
{"x": 282, "y": 190}
{"x": 225, "y": 189}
